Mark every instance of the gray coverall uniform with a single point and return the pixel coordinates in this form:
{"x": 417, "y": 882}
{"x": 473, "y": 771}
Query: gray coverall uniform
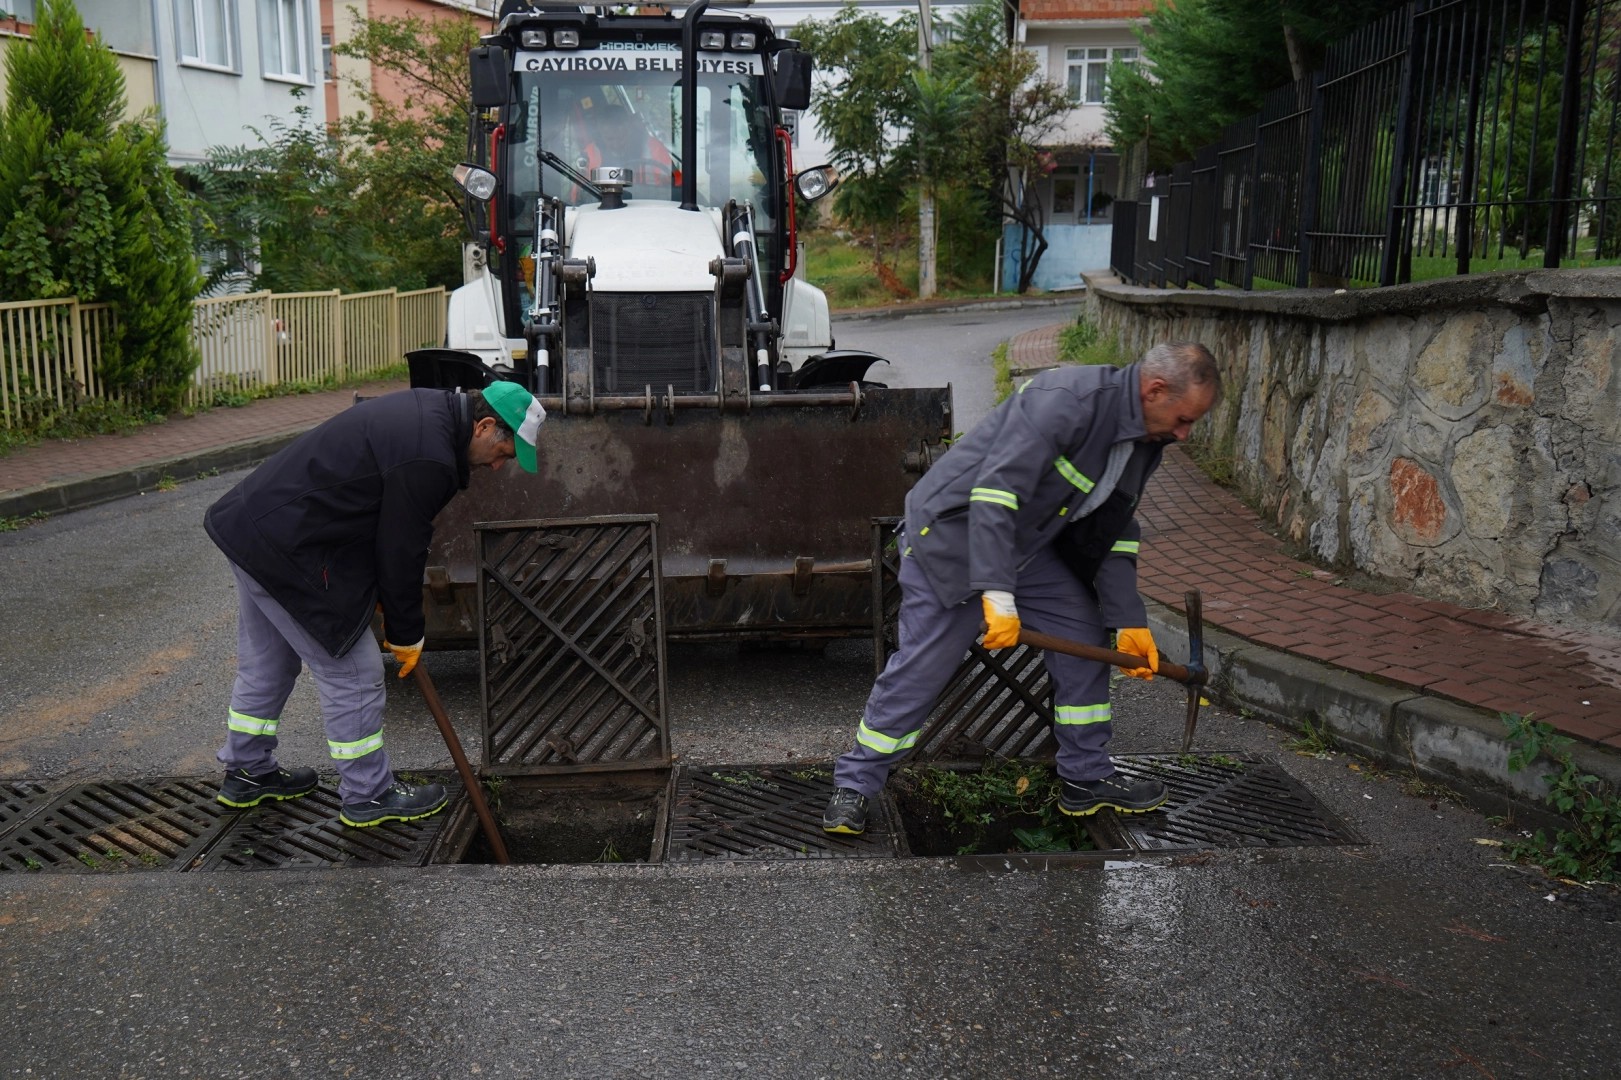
{"x": 1039, "y": 501}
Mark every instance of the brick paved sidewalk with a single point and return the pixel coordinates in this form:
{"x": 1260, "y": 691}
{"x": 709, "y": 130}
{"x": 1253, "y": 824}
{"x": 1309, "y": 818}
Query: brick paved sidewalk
{"x": 61, "y": 461}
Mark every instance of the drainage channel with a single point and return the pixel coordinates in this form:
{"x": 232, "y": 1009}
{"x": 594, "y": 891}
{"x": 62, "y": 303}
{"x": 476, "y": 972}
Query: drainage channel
{"x": 687, "y": 814}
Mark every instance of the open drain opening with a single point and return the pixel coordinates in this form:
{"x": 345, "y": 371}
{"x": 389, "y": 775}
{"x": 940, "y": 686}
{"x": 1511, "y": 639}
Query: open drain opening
{"x": 574, "y": 818}
{"x": 1001, "y": 807}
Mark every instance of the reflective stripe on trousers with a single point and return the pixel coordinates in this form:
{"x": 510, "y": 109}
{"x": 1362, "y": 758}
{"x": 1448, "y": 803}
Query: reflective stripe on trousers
{"x": 933, "y": 642}
{"x": 271, "y": 648}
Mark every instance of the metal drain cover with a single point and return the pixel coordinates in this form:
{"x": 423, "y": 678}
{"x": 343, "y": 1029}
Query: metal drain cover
{"x": 18, "y": 799}
{"x": 767, "y": 812}
{"x": 113, "y": 827}
{"x": 1226, "y": 801}
{"x": 306, "y": 833}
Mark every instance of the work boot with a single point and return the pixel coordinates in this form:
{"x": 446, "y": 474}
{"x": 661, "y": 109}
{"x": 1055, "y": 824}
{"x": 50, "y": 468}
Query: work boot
{"x": 1115, "y": 791}
{"x": 846, "y": 812}
{"x": 242, "y": 790}
{"x": 398, "y": 802}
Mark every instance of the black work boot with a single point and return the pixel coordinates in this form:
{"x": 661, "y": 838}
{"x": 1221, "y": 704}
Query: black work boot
{"x": 242, "y": 790}
{"x": 398, "y": 802}
{"x": 846, "y": 812}
{"x": 1115, "y": 791}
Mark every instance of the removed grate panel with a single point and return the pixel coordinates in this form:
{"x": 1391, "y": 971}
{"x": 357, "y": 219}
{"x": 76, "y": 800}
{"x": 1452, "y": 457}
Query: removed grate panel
{"x": 306, "y": 833}
{"x": 19, "y": 799}
{"x": 116, "y": 827}
{"x": 571, "y": 633}
{"x": 768, "y": 812}
{"x": 1227, "y": 801}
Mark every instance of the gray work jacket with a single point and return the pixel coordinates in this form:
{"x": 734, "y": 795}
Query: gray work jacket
{"x": 1011, "y": 485}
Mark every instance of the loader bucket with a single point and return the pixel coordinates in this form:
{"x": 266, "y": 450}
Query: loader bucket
{"x": 765, "y": 516}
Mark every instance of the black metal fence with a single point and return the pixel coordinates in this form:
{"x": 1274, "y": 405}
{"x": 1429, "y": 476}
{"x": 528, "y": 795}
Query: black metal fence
{"x": 1449, "y": 136}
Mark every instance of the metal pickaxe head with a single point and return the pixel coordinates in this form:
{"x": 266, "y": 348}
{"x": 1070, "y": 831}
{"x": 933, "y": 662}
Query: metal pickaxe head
{"x": 1198, "y": 675}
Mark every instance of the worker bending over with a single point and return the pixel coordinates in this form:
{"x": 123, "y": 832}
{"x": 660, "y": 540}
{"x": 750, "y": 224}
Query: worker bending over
{"x": 1034, "y": 514}
{"x": 319, "y": 537}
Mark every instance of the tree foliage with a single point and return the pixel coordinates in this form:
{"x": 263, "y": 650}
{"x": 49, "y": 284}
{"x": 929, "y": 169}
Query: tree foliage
{"x": 285, "y": 213}
{"x": 89, "y": 207}
{"x": 956, "y": 129}
{"x": 1006, "y": 134}
{"x": 1210, "y": 62}
{"x": 862, "y": 104}
{"x": 370, "y": 203}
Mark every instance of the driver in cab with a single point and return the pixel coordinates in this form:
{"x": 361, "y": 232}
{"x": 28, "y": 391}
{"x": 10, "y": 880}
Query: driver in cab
{"x": 613, "y": 135}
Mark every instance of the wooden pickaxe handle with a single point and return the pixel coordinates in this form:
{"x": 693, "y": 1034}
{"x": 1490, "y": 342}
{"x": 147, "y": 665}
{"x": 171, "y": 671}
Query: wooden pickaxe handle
{"x": 470, "y": 784}
{"x": 1167, "y": 668}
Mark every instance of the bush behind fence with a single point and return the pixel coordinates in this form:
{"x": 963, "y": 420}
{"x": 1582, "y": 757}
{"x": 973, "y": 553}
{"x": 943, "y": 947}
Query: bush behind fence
{"x": 50, "y": 350}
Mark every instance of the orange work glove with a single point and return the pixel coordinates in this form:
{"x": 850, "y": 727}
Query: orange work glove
{"x": 1001, "y": 620}
{"x": 407, "y": 655}
{"x": 1137, "y": 641}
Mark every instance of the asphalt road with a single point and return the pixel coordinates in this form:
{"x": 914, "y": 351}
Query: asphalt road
{"x": 1419, "y": 954}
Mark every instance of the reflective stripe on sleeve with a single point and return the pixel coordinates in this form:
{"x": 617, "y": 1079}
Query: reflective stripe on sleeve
{"x": 1083, "y": 714}
{"x": 991, "y": 495}
{"x": 882, "y": 743}
{"x": 251, "y": 725}
{"x": 1129, "y": 547}
{"x": 1072, "y": 474}
{"x": 348, "y": 751}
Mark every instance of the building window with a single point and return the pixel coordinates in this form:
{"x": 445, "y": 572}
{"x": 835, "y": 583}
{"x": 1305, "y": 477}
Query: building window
{"x": 281, "y": 32}
{"x": 1087, "y": 71}
{"x": 205, "y": 32}
{"x": 329, "y": 71}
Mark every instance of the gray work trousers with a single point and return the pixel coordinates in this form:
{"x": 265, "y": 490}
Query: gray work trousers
{"x": 270, "y": 649}
{"x": 933, "y": 641}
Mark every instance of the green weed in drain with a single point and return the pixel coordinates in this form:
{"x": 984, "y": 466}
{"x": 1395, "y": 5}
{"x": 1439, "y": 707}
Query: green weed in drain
{"x": 1226, "y": 761}
{"x": 89, "y": 860}
{"x": 1003, "y": 788}
{"x": 610, "y": 854}
{"x": 747, "y": 779}
{"x": 32, "y": 863}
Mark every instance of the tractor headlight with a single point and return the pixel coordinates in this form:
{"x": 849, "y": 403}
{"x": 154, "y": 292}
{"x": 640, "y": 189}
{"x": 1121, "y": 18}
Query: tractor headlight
{"x": 533, "y": 39}
{"x": 712, "y": 39}
{"x": 566, "y": 39}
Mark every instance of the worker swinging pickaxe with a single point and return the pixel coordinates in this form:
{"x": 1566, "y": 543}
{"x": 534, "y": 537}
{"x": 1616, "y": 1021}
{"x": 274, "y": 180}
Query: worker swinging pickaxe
{"x": 1194, "y": 676}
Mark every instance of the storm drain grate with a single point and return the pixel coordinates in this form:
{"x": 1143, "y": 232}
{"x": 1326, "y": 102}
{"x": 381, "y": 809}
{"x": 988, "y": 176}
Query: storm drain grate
{"x": 306, "y": 832}
{"x": 1227, "y": 801}
{"x": 767, "y": 812}
{"x": 115, "y": 827}
{"x": 18, "y": 799}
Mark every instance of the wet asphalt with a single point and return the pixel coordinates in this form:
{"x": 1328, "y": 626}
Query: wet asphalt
{"x": 1422, "y": 953}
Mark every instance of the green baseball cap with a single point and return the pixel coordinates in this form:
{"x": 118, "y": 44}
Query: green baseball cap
{"x": 522, "y": 413}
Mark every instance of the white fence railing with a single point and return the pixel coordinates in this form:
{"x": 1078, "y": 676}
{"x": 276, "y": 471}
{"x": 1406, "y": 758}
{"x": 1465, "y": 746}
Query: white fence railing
{"x": 50, "y": 350}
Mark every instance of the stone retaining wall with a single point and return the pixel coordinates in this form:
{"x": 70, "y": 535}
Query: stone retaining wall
{"x": 1461, "y": 436}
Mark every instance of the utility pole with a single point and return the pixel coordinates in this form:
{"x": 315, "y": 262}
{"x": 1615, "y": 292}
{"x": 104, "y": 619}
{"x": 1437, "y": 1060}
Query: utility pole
{"x": 926, "y": 286}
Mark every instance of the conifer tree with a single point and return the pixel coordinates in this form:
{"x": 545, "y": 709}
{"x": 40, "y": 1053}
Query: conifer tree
{"x": 89, "y": 207}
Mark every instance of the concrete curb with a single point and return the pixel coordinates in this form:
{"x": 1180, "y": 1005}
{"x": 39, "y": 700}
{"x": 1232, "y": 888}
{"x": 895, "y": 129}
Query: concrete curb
{"x": 900, "y": 311}
{"x": 1399, "y": 727}
{"x": 82, "y": 493}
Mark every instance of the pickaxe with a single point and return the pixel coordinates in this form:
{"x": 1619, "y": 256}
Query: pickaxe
{"x": 1194, "y": 676}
